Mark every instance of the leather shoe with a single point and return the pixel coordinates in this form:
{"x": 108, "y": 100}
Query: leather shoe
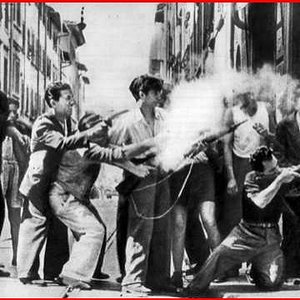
{"x": 176, "y": 279}
{"x": 4, "y": 273}
{"x": 29, "y": 280}
{"x": 101, "y": 276}
{"x": 135, "y": 290}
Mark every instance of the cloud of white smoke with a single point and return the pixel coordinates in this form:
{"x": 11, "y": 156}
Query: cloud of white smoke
{"x": 199, "y": 106}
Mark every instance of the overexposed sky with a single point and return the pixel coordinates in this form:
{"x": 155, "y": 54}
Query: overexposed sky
{"x": 118, "y": 37}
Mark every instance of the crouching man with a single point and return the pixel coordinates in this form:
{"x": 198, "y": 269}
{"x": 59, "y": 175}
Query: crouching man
{"x": 256, "y": 238}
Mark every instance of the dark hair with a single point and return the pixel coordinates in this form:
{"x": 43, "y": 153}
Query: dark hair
{"x": 260, "y": 155}
{"x": 246, "y": 98}
{"x": 53, "y": 91}
{"x": 145, "y": 83}
{"x": 14, "y": 102}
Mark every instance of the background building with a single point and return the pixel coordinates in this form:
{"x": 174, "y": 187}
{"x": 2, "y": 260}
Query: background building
{"x": 37, "y": 47}
{"x": 241, "y": 36}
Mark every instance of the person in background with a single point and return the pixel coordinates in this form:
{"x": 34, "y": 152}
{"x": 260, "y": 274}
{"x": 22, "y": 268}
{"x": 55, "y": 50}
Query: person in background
{"x": 3, "y": 125}
{"x": 237, "y": 149}
{"x": 15, "y": 157}
{"x": 288, "y": 137}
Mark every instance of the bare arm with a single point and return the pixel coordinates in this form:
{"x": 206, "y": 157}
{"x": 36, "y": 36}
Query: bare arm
{"x": 263, "y": 198}
{"x": 228, "y": 142}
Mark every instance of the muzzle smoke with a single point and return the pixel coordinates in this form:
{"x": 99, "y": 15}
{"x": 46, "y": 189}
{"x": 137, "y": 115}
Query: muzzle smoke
{"x": 197, "y": 108}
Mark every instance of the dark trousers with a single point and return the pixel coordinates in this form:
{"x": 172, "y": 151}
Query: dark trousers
{"x": 196, "y": 244}
{"x": 291, "y": 237}
{"x": 122, "y": 223}
{"x": 57, "y": 249}
{"x": 260, "y": 246}
{"x": 232, "y": 206}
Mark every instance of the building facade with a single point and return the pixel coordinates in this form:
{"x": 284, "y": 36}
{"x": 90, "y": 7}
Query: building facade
{"x": 241, "y": 36}
{"x": 32, "y": 55}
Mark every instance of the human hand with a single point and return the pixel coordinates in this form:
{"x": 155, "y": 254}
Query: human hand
{"x": 99, "y": 134}
{"x": 89, "y": 120}
{"x": 14, "y": 133}
{"x": 232, "y": 187}
{"x": 287, "y": 175}
{"x": 196, "y": 148}
{"x": 260, "y": 129}
{"x": 201, "y": 157}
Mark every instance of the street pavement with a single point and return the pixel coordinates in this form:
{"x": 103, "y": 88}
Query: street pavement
{"x": 11, "y": 287}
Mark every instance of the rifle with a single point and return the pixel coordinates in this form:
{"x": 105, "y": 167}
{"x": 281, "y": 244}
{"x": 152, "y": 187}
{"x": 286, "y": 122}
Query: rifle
{"x": 201, "y": 144}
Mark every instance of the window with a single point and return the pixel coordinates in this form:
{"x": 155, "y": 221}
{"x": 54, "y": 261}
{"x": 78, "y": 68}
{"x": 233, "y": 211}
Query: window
{"x": 32, "y": 47}
{"x": 23, "y": 37}
{"x": 16, "y": 75}
{"x": 54, "y": 73}
{"x": 49, "y": 67}
{"x": 28, "y": 44}
{"x": 55, "y": 39}
{"x": 17, "y": 14}
{"x": 44, "y": 62}
{"x": 6, "y": 15}
{"x": 27, "y": 102}
{"x": 38, "y": 54}
{"x": 22, "y": 97}
{"x": 49, "y": 28}
{"x": 5, "y": 70}
{"x": 31, "y": 104}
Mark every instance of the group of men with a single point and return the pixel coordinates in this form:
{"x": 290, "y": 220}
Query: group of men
{"x": 64, "y": 163}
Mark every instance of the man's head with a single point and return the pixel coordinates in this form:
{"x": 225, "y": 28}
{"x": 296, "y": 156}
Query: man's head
{"x": 146, "y": 88}
{"x": 263, "y": 160}
{"x": 59, "y": 97}
{"x": 248, "y": 103}
{"x": 13, "y": 106}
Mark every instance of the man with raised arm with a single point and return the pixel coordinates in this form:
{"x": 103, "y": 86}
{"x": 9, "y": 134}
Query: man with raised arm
{"x": 256, "y": 238}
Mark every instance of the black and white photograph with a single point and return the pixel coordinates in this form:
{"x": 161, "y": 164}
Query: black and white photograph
{"x": 149, "y": 150}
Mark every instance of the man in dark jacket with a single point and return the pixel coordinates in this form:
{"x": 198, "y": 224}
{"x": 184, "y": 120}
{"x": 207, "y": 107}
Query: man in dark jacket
{"x": 52, "y": 134}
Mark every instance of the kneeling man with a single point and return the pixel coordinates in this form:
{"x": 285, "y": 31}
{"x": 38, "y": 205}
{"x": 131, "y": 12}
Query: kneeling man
{"x": 256, "y": 238}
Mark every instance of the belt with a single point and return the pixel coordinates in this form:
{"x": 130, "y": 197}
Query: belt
{"x": 260, "y": 224}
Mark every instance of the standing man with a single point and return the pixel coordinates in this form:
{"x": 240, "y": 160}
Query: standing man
{"x": 148, "y": 240}
{"x": 197, "y": 201}
{"x": 52, "y": 134}
{"x": 256, "y": 238}
{"x": 288, "y": 136}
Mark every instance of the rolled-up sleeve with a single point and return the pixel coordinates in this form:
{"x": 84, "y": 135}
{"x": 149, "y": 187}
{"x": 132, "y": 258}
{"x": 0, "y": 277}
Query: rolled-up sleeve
{"x": 100, "y": 154}
{"x": 251, "y": 187}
